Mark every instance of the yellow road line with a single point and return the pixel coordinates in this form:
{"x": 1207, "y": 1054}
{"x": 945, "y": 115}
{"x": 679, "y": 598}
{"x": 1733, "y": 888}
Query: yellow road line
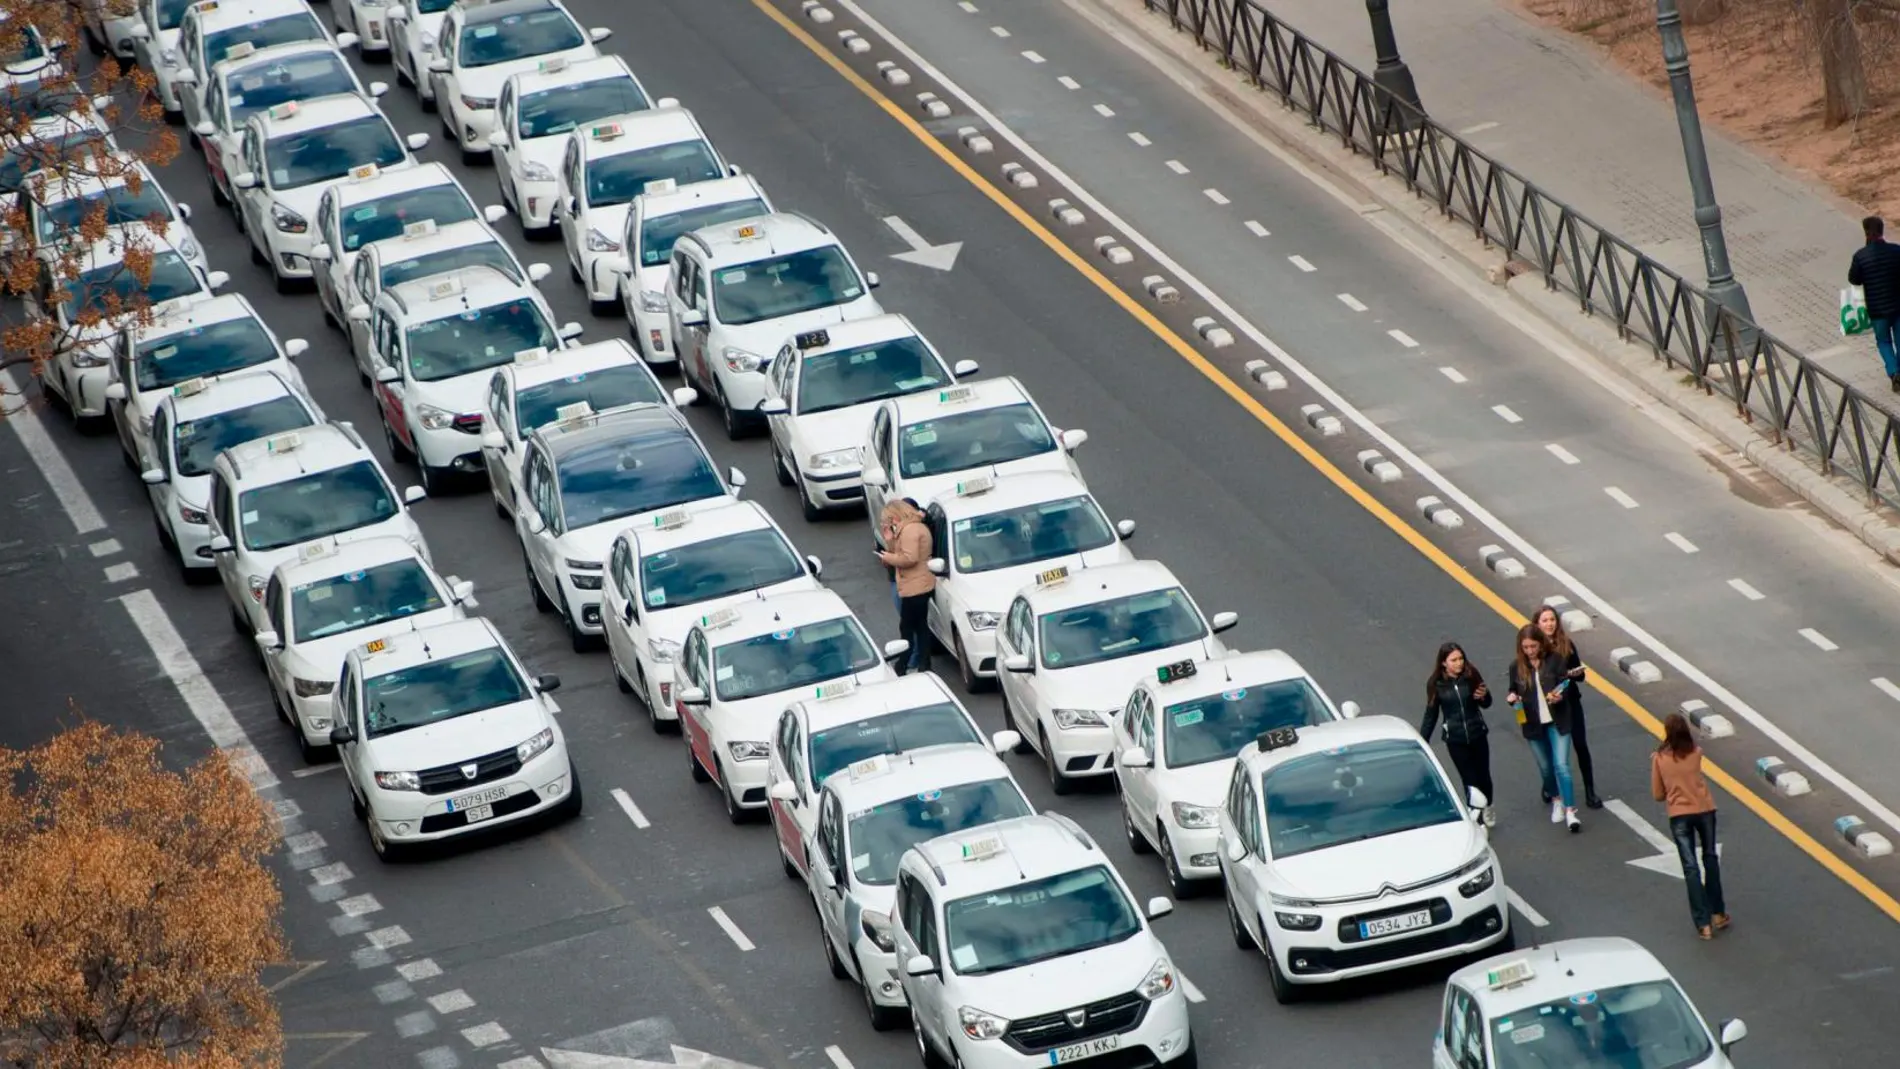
{"x": 1775, "y": 819}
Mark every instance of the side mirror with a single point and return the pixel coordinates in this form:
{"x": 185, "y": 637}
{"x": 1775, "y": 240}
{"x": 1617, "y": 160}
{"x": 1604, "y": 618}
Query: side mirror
{"x": 535, "y": 523}
{"x": 498, "y": 139}
{"x": 358, "y": 313}
{"x": 692, "y": 317}
{"x": 115, "y": 391}
{"x": 396, "y": 13}
{"x": 416, "y": 142}
{"x": 547, "y": 684}
{"x": 937, "y": 566}
{"x": 736, "y": 478}
{"x": 1136, "y": 757}
{"x": 342, "y": 735}
{"x": 462, "y": 589}
{"x": 1224, "y": 621}
{"x": 920, "y": 966}
{"x": 269, "y": 642}
{"x": 221, "y": 544}
{"x": 141, "y": 32}
{"x": 438, "y": 65}
{"x": 388, "y": 374}
{"x": 667, "y": 102}
{"x": 494, "y": 440}
{"x": 871, "y": 279}
{"x": 965, "y": 368}
{"x": 1159, "y": 907}
{"x": 184, "y": 211}
{"x": 571, "y": 206}
{"x": 1005, "y": 741}
{"x": 1125, "y": 528}
{"x": 186, "y": 76}
{"x": 153, "y": 477}
{"x": 1073, "y": 440}
{"x": 539, "y": 271}
{"x": 1017, "y": 662}
{"x": 813, "y": 565}
{"x": 205, "y": 128}
{"x": 245, "y": 180}
{"x": 896, "y": 648}
{"x": 377, "y": 89}
{"x": 295, "y": 348}
{"x": 618, "y": 265}
{"x": 217, "y": 280}
{"x": 570, "y": 331}
{"x": 1349, "y": 710}
{"x": 774, "y": 406}
{"x": 494, "y": 213}
{"x": 597, "y": 34}
{"x": 347, "y": 40}
{"x": 320, "y": 252}
{"x": 684, "y": 396}
{"x": 1235, "y": 851}
{"x": 413, "y": 494}
{"x": 733, "y": 170}
{"x": 690, "y": 696}
{"x": 783, "y": 791}
{"x": 1476, "y": 798}
{"x": 874, "y": 476}
{"x": 1733, "y": 1032}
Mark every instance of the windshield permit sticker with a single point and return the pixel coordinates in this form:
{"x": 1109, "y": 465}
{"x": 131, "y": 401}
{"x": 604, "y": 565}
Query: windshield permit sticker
{"x": 250, "y": 517}
{"x": 920, "y": 436}
{"x": 963, "y": 957}
{"x": 165, "y": 353}
{"x": 656, "y": 596}
{"x": 860, "y": 862}
{"x": 1189, "y": 718}
{"x": 732, "y": 277}
{"x": 1233, "y": 695}
{"x": 917, "y": 383}
{"x": 363, "y": 215}
{"x": 186, "y": 430}
{"x": 354, "y": 577}
{"x": 929, "y": 796}
{"x": 1587, "y": 998}
{"x": 471, "y": 316}
{"x": 785, "y": 635}
{"x": 1530, "y": 1033}
{"x": 483, "y": 32}
{"x": 321, "y": 593}
{"x": 966, "y": 562}
{"x": 1053, "y": 658}
{"x": 723, "y": 673}
{"x": 574, "y": 379}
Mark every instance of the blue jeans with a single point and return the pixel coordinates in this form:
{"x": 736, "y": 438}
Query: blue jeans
{"x": 1705, "y": 885}
{"x": 1885, "y": 340}
{"x": 1552, "y": 752}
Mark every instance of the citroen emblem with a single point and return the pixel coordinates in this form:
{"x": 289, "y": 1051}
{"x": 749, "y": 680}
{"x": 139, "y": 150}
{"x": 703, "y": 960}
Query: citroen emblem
{"x": 469, "y": 771}
{"x": 1077, "y": 1018}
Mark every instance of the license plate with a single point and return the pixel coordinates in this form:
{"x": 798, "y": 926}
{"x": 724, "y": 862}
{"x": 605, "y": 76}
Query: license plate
{"x": 479, "y": 813}
{"x": 482, "y": 798}
{"x": 1404, "y": 922}
{"x": 1078, "y": 1051}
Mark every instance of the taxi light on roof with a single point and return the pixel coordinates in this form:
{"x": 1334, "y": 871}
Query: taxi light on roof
{"x": 869, "y": 767}
{"x": 812, "y": 339}
{"x": 956, "y": 395}
{"x": 448, "y": 287}
{"x": 722, "y": 618}
{"x": 573, "y": 413}
{"x": 1179, "y": 670}
{"x": 239, "y": 50}
{"x": 374, "y": 647}
{"x": 1053, "y": 576}
{"x": 837, "y": 688}
{"x": 1277, "y": 739}
{"x": 190, "y": 388}
{"x": 364, "y": 172}
{"x": 605, "y": 131}
{"x": 661, "y": 185}
{"x": 553, "y": 66}
{"x": 1510, "y": 974}
{"x": 420, "y": 229}
{"x": 531, "y": 356}
{"x": 981, "y": 484}
{"x": 316, "y": 551}
{"x": 286, "y": 110}
{"x": 983, "y": 849}
{"x": 672, "y": 521}
{"x": 206, "y": 6}
{"x": 745, "y": 233}
{"x": 283, "y": 443}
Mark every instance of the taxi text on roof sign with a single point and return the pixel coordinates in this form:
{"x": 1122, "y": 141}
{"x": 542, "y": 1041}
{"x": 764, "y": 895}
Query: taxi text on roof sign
{"x": 364, "y": 172}
{"x": 837, "y": 688}
{"x": 573, "y": 413}
{"x": 983, "y": 849}
{"x": 812, "y": 339}
{"x": 1510, "y": 974}
{"x": 1179, "y": 670}
{"x": 190, "y": 388}
{"x": 1053, "y": 576}
{"x": 871, "y": 766}
{"x": 446, "y": 288}
{"x": 422, "y": 228}
{"x": 375, "y": 646}
{"x": 956, "y": 395}
{"x": 286, "y": 110}
{"x": 981, "y": 484}
{"x": 283, "y": 443}
{"x": 719, "y": 619}
{"x": 532, "y": 356}
{"x": 660, "y": 185}
{"x": 746, "y": 233}
{"x": 672, "y": 521}
{"x": 553, "y": 66}
{"x": 206, "y": 7}
{"x": 316, "y": 551}
{"x": 239, "y": 50}
{"x": 605, "y": 131}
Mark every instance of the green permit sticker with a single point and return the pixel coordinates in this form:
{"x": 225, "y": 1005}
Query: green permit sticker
{"x": 656, "y": 596}
{"x": 732, "y": 277}
{"x": 165, "y": 352}
{"x": 1189, "y": 718}
{"x": 322, "y": 593}
{"x": 966, "y": 561}
{"x": 364, "y": 214}
{"x": 920, "y": 437}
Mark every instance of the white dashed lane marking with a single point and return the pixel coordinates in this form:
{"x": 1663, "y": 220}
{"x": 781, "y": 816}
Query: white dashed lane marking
{"x": 1253, "y": 225}
{"x": 633, "y": 811}
{"x": 838, "y": 1060}
{"x": 1453, "y": 374}
{"x": 1402, "y": 338}
{"x": 1478, "y": 129}
{"x": 1742, "y": 587}
{"x": 1887, "y": 687}
{"x": 1187, "y": 988}
{"x": 999, "y": 31}
{"x": 732, "y": 930}
{"x": 122, "y": 571}
{"x": 1104, "y": 111}
{"x": 485, "y": 1035}
{"x": 1504, "y": 413}
{"x": 1067, "y": 82}
{"x": 967, "y": 6}
{"x": 1352, "y": 302}
{"x": 1523, "y": 907}
{"x": 1681, "y": 543}
{"x": 1034, "y": 57}
{"x": 1562, "y": 454}
{"x": 1826, "y": 645}
{"x": 1139, "y": 138}
{"x": 106, "y": 548}
{"x": 1216, "y": 196}
{"x": 420, "y": 969}
{"x": 1620, "y": 497}
{"x": 1177, "y": 167}
{"x": 451, "y": 1001}
{"x": 1302, "y": 263}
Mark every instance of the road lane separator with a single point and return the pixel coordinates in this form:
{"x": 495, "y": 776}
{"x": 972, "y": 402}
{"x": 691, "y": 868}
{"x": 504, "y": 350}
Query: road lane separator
{"x": 633, "y": 811}
{"x": 1530, "y": 913}
{"x": 1187, "y": 987}
{"x": 732, "y": 930}
{"x": 838, "y": 1060}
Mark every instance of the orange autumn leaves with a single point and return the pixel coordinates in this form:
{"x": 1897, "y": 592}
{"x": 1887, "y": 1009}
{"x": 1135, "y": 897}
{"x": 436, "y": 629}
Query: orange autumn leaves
{"x": 136, "y": 909}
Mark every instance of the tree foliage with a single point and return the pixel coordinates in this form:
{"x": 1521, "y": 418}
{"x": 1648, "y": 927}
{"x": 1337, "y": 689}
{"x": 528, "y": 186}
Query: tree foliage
{"x": 136, "y": 910}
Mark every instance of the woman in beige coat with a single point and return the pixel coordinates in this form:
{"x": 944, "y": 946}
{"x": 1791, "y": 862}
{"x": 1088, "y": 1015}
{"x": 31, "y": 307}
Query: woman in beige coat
{"x": 909, "y": 545}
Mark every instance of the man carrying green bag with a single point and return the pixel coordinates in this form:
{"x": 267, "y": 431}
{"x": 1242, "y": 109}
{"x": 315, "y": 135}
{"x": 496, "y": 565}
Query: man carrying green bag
{"x": 1876, "y": 271}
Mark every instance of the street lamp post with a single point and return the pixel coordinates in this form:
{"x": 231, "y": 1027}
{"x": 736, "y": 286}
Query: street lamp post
{"x": 1723, "y": 286}
{"x": 1391, "y": 76}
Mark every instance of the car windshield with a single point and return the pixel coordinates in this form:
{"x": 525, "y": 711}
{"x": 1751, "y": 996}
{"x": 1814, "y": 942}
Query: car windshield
{"x": 619, "y": 178}
{"x": 793, "y": 657}
{"x": 785, "y": 285}
{"x": 201, "y": 440}
{"x": 559, "y": 110}
{"x": 1119, "y": 627}
{"x": 843, "y": 745}
{"x": 877, "y": 838}
{"x": 1364, "y": 792}
{"x": 484, "y": 254}
{"x": 110, "y": 290}
{"x": 1036, "y": 921}
{"x": 297, "y": 160}
{"x": 1636, "y": 1026}
{"x": 27, "y": 45}
{"x": 717, "y": 568}
{"x": 45, "y": 98}
{"x": 121, "y": 206}
{"x": 262, "y": 86}
{"x": 973, "y": 440}
{"x": 602, "y": 388}
{"x": 385, "y": 217}
{"x": 868, "y": 373}
{"x": 432, "y": 7}
{"x": 343, "y": 603}
{"x": 1218, "y": 726}
{"x": 512, "y": 37}
{"x": 171, "y": 13}
{"x": 477, "y": 339}
{"x": 613, "y": 480}
{"x": 434, "y": 691}
{"x": 213, "y": 349}
{"x": 1030, "y": 533}
{"x": 659, "y": 232}
{"x": 51, "y": 152}
{"x": 314, "y": 506}
{"x": 282, "y": 30}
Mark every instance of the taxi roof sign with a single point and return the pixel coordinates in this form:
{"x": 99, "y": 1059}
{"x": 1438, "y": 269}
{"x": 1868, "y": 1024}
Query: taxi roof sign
{"x": 672, "y": 521}
{"x": 837, "y": 688}
{"x": 573, "y": 413}
{"x": 983, "y": 849}
{"x": 553, "y": 66}
{"x": 876, "y": 765}
{"x": 746, "y": 232}
{"x": 812, "y": 339}
{"x": 287, "y": 110}
{"x": 316, "y": 551}
{"x": 531, "y": 356}
{"x": 421, "y": 228}
{"x": 206, "y": 6}
{"x": 375, "y": 646}
{"x": 363, "y": 172}
{"x": 1277, "y": 739}
{"x": 283, "y": 443}
{"x": 661, "y": 185}
{"x": 956, "y": 395}
{"x": 606, "y": 131}
{"x": 978, "y": 484}
{"x": 190, "y": 387}
{"x": 236, "y": 51}
{"x": 448, "y": 287}
{"x": 722, "y": 618}
{"x": 1510, "y": 974}
{"x": 1053, "y": 576}
{"x": 1179, "y": 670}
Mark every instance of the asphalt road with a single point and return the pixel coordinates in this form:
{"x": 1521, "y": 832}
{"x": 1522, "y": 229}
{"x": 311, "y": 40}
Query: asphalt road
{"x": 596, "y": 935}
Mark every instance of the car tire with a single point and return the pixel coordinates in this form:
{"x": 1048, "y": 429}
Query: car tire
{"x": 312, "y": 754}
{"x": 1285, "y": 992}
{"x": 500, "y": 509}
{"x": 218, "y": 199}
{"x": 1178, "y": 885}
{"x": 357, "y": 808}
{"x": 257, "y": 257}
{"x": 581, "y": 641}
{"x": 387, "y": 852}
{"x": 620, "y": 679}
{"x": 1189, "y": 1059}
{"x": 570, "y": 807}
{"x": 736, "y": 425}
{"x": 966, "y": 669}
{"x": 398, "y": 452}
{"x": 734, "y": 813}
{"x": 93, "y": 43}
{"x": 931, "y": 1059}
{"x": 435, "y": 481}
{"x": 785, "y": 860}
{"x": 535, "y": 593}
{"x": 1058, "y": 783}
{"x": 883, "y": 1018}
{"x": 402, "y": 77}
{"x": 1136, "y": 843}
{"x": 427, "y": 100}
{"x": 1243, "y": 939}
{"x": 1009, "y": 721}
{"x": 780, "y": 468}
{"x": 699, "y": 770}
{"x": 832, "y": 961}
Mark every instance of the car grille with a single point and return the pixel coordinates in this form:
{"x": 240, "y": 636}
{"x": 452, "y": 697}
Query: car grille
{"x": 514, "y": 803}
{"x": 1312, "y": 961}
{"x": 1349, "y": 927}
{"x": 449, "y": 778}
{"x": 1033, "y": 1035}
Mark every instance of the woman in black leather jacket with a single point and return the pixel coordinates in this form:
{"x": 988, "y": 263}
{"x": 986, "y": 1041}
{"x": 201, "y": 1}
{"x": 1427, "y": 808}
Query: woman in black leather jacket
{"x": 1456, "y": 694}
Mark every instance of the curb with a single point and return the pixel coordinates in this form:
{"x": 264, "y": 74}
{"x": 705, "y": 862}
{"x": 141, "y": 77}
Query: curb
{"x": 1711, "y": 725}
{"x": 1858, "y": 835}
{"x": 1786, "y": 781}
{"x": 1634, "y": 666}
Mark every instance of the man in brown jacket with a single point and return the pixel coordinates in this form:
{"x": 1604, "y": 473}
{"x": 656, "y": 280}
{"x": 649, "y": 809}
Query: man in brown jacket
{"x": 909, "y": 552}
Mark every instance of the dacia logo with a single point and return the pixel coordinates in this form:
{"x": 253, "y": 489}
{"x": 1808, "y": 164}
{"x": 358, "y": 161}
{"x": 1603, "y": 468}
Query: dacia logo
{"x": 1077, "y": 1018}
{"x": 469, "y": 771}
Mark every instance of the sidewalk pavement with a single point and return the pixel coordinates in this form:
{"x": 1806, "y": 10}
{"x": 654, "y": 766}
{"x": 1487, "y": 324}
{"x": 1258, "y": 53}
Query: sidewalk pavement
{"x": 1553, "y": 108}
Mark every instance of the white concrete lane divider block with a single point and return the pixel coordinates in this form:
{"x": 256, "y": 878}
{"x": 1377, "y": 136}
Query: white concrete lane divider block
{"x": 1317, "y": 418}
{"x": 1379, "y": 467}
{"x": 1113, "y": 251}
{"x": 1440, "y": 514}
{"x": 1213, "y": 333}
{"x": 853, "y": 42}
{"x": 1067, "y": 214}
{"x": 1573, "y": 618}
{"x": 1786, "y": 781}
{"x": 818, "y": 12}
{"x": 1712, "y": 725}
{"x": 892, "y": 73}
{"x": 930, "y": 104}
{"x": 1505, "y": 565}
{"x": 1633, "y": 665}
{"x": 1019, "y": 176}
{"x": 974, "y": 140}
{"x": 1869, "y": 842}
{"x": 1158, "y": 288}
{"x": 1264, "y": 373}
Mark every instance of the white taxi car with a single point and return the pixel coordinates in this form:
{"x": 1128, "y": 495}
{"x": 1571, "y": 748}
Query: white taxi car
{"x": 204, "y": 341}
{"x": 588, "y": 476}
{"x": 536, "y": 111}
{"x": 435, "y": 343}
{"x": 330, "y": 598}
{"x": 191, "y": 427}
{"x": 1581, "y": 1002}
{"x": 413, "y": 28}
{"x": 422, "y": 251}
{"x": 526, "y": 395}
{"x": 59, "y": 203}
{"x": 442, "y": 730}
{"x": 213, "y": 31}
{"x": 368, "y": 20}
{"x": 255, "y": 80}
{"x": 1022, "y": 946}
{"x": 155, "y": 47}
{"x": 922, "y": 445}
{"x": 993, "y": 537}
{"x": 868, "y": 815}
{"x": 272, "y": 496}
{"x": 604, "y": 166}
{"x": 739, "y": 291}
{"x": 1073, "y": 644}
{"x": 819, "y": 737}
{"x": 655, "y": 222}
{"x": 1175, "y": 745}
{"x": 1351, "y": 839}
{"x": 290, "y": 154}
{"x": 666, "y": 574}
{"x": 108, "y": 26}
{"x": 483, "y": 42}
{"x": 48, "y": 138}
{"x": 822, "y": 389}
{"x": 741, "y": 665}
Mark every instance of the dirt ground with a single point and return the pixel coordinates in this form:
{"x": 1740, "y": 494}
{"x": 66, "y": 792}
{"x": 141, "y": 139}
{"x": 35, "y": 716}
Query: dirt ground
{"x": 1758, "y": 78}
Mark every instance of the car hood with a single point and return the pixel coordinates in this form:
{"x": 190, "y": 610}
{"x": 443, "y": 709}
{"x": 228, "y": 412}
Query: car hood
{"x": 1065, "y": 982}
{"x": 1203, "y": 784}
{"x": 655, "y": 279}
{"x": 461, "y": 739}
{"x": 840, "y": 428}
{"x": 1105, "y": 684}
{"x": 486, "y": 81}
{"x": 324, "y": 657}
{"x": 767, "y": 337}
{"x": 592, "y": 543}
{"x": 673, "y": 624}
{"x": 462, "y": 394}
{"x": 302, "y": 200}
{"x": 992, "y": 591}
{"x": 929, "y": 486}
{"x": 753, "y": 719}
{"x": 545, "y": 151}
{"x": 1399, "y": 860}
{"x": 399, "y": 526}
{"x": 610, "y": 220}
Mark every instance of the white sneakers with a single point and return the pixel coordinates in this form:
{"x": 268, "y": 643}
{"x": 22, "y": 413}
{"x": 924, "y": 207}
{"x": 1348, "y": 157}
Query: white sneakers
{"x": 1490, "y": 816}
{"x": 1570, "y": 818}
{"x": 1556, "y": 810}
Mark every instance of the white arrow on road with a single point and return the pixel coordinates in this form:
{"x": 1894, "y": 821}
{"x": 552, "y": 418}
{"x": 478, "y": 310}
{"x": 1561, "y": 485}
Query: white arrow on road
{"x": 683, "y": 1058}
{"x": 1665, "y": 860}
{"x": 922, "y": 253}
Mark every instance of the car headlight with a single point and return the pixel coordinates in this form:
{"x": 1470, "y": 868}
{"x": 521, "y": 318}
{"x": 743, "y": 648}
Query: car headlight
{"x": 1158, "y": 982}
{"x": 584, "y": 580}
{"x": 195, "y": 517}
{"x": 433, "y": 418}
{"x": 599, "y": 242}
{"x": 535, "y": 172}
{"x": 398, "y": 781}
{"x": 1194, "y": 816}
{"x": 652, "y": 303}
{"x": 188, "y": 249}
{"x": 1297, "y": 922}
{"x": 663, "y": 650}
{"x": 477, "y": 103}
{"x": 834, "y": 459}
{"x": 257, "y": 584}
{"x": 1079, "y": 718}
{"x": 877, "y": 928}
{"x": 286, "y": 220}
{"x": 89, "y": 358}
{"x": 738, "y": 360}
{"x": 1296, "y": 903}
{"x": 535, "y": 746}
{"x": 426, "y": 41}
{"x": 979, "y": 1025}
{"x": 582, "y": 565}
{"x": 983, "y": 621}
{"x": 312, "y": 688}
{"x": 1480, "y": 883}
{"x": 748, "y": 751}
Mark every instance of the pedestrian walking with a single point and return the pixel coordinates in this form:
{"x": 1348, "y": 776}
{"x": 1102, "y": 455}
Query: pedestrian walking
{"x": 1456, "y": 694}
{"x": 1876, "y": 270}
{"x": 908, "y": 554}
{"x": 1676, "y": 780}
{"x": 1537, "y": 692}
{"x": 1552, "y": 625}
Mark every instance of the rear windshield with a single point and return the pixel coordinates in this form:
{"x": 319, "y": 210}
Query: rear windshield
{"x": 200, "y": 352}
{"x": 201, "y": 440}
{"x": 343, "y": 603}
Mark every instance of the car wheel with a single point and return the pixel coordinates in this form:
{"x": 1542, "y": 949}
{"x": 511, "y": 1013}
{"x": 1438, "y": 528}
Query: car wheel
{"x": 1058, "y": 782}
{"x": 402, "y": 76}
{"x": 966, "y": 668}
{"x": 356, "y": 804}
{"x": 398, "y": 452}
{"x": 435, "y": 481}
{"x": 1189, "y": 1059}
{"x": 1136, "y": 843}
{"x": 500, "y": 509}
{"x": 570, "y": 807}
{"x": 811, "y": 511}
{"x": 832, "y": 961}
{"x": 312, "y": 754}
{"x": 620, "y": 679}
{"x": 931, "y": 1059}
{"x": 257, "y": 256}
{"x": 581, "y": 641}
{"x": 427, "y": 100}
{"x": 785, "y": 860}
{"x": 1009, "y": 721}
{"x": 1180, "y": 886}
{"x": 218, "y": 198}
{"x": 883, "y": 1018}
{"x": 780, "y": 468}
{"x": 242, "y": 626}
{"x": 1285, "y": 992}
{"x": 731, "y": 419}
{"x": 277, "y": 705}
{"x": 733, "y": 812}
{"x": 387, "y": 852}
{"x": 1242, "y": 938}
{"x": 699, "y": 770}
{"x": 540, "y": 597}
{"x": 284, "y": 283}
{"x": 93, "y": 43}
